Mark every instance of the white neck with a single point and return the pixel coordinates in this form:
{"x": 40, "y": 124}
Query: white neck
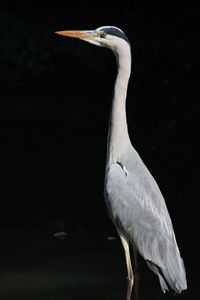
{"x": 118, "y": 138}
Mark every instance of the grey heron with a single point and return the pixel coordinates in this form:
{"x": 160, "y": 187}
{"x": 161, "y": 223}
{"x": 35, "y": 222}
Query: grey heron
{"x": 134, "y": 200}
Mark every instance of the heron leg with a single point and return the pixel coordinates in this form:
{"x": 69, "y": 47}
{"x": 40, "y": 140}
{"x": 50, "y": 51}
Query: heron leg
{"x": 130, "y": 277}
{"x": 136, "y": 275}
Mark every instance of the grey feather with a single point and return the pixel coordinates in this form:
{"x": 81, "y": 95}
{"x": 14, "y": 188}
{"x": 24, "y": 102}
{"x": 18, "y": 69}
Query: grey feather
{"x": 136, "y": 203}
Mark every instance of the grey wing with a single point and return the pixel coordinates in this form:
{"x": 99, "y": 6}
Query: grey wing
{"x": 138, "y": 210}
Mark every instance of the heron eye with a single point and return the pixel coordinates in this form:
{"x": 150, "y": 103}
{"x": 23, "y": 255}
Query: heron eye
{"x": 103, "y": 34}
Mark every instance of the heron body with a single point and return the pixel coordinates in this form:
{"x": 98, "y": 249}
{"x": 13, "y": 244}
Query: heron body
{"x": 134, "y": 201}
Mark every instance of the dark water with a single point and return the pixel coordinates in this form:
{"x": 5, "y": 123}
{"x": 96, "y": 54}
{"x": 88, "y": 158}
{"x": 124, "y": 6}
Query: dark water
{"x": 86, "y": 265}
{"x": 54, "y": 109}
{"x": 46, "y": 142}
{"x": 50, "y": 144}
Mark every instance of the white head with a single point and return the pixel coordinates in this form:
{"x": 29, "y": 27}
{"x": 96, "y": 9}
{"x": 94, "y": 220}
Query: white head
{"x": 105, "y": 36}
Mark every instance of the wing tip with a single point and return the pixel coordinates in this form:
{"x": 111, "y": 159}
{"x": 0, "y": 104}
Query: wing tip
{"x": 174, "y": 285}
{"x": 167, "y": 280}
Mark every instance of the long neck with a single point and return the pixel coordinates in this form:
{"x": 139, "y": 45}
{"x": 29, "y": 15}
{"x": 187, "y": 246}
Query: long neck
{"x": 118, "y": 138}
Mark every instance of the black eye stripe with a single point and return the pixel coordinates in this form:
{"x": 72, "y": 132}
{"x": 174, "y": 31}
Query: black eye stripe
{"x": 115, "y": 32}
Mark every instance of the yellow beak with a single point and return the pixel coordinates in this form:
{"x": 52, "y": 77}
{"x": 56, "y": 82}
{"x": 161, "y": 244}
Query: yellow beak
{"x": 81, "y": 34}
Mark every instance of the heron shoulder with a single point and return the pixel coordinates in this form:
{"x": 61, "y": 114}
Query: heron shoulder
{"x": 130, "y": 181}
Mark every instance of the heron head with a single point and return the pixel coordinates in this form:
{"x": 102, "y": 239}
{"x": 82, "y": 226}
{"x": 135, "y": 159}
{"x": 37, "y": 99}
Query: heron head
{"x": 105, "y": 36}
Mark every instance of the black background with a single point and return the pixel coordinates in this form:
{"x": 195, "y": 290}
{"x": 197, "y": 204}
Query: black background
{"x": 55, "y": 98}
